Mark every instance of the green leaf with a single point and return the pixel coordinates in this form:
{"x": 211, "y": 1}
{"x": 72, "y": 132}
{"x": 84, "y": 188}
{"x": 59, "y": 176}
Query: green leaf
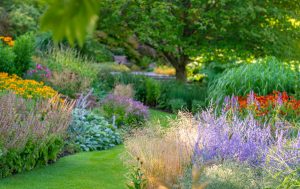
{"x": 70, "y": 19}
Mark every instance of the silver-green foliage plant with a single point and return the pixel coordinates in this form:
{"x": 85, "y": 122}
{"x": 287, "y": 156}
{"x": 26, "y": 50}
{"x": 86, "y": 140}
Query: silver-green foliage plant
{"x": 92, "y": 132}
{"x": 229, "y": 175}
{"x": 262, "y": 77}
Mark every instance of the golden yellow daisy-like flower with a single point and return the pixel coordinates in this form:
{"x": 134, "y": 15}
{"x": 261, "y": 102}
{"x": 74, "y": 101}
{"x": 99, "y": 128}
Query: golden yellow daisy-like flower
{"x": 25, "y": 88}
{"x": 7, "y": 40}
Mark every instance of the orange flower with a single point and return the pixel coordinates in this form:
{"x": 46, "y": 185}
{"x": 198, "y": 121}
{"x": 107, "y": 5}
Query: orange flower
{"x": 7, "y": 40}
{"x": 271, "y": 101}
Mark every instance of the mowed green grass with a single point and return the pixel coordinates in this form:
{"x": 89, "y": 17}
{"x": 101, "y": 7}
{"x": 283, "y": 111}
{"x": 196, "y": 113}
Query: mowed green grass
{"x": 86, "y": 170}
{"x": 163, "y": 118}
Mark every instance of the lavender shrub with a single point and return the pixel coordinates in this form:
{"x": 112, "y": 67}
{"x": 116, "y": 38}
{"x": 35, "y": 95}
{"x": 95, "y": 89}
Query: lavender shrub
{"x": 246, "y": 140}
{"x": 125, "y": 110}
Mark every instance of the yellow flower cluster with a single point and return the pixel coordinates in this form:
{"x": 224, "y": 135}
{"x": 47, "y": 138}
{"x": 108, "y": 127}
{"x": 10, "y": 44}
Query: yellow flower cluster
{"x": 25, "y": 88}
{"x": 165, "y": 70}
{"x": 8, "y": 40}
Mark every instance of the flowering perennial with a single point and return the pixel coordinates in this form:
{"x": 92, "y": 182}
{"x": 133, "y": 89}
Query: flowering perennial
{"x": 25, "y": 88}
{"x": 7, "y": 40}
{"x": 262, "y": 104}
{"x": 245, "y": 140}
{"x": 40, "y": 71}
{"x": 126, "y": 110}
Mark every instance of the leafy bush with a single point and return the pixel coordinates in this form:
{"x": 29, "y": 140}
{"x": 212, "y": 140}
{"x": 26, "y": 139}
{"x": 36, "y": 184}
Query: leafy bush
{"x": 177, "y": 105}
{"x": 156, "y": 93}
{"x": 263, "y": 77}
{"x": 197, "y": 105}
{"x": 126, "y": 111}
{"x": 31, "y": 132}
{"x": 186, "y": 92}
{"x": 23, "y": 49}
{"x": 92, "y": 132}
{"x": 97, "y": 51}
{"x": 7, "y": 58}
{"x": 24, "y": 18}
{"x": 152, "y": 92}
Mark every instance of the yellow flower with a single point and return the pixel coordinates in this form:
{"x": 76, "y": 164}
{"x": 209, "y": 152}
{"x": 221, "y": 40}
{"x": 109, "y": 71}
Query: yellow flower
{"x": 8, "y": 40}
{"x": 25, "y": 88}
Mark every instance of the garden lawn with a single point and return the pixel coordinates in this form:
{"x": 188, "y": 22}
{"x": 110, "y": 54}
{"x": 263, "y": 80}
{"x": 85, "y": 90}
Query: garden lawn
{"x": 86, "y": 170}
{"x": 162, "y": 117}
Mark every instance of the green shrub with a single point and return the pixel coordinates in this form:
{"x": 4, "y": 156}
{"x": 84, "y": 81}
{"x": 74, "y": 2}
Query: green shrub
{"x": 152, "y": 92}
{"x": 92, "y": 132}
{"x": 184, "y": 91}
{"x": 177, "y": 104}
{"x": 97, "y": 51}
{"x": 33, "y": 154}
{"x": 7, "y": 58}
{"x": 197, "y": 105}
{"x": 23, "y": 49}
{"x": 24, "y": 18}
{"x": 263, "y": 77}
{"x": 124, "y": 111}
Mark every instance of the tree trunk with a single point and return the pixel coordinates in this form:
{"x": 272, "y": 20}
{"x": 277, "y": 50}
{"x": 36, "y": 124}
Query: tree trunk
{"x": 179, "y": 63}
{"x": 180, "y": 72}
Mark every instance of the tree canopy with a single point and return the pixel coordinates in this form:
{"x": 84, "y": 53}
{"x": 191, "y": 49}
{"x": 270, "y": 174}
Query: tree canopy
{"x": 179, "y": 29}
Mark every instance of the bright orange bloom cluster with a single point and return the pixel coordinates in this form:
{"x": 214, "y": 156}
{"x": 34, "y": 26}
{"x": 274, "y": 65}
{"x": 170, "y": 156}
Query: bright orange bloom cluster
{"x": 263, "y": 104}
{"x": 8, "y": 40}
{"x": 25, "y": 88}
{"x": 165, "y": 70}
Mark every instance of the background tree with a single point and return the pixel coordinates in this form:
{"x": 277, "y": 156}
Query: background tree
{"x": 179, "y": 29}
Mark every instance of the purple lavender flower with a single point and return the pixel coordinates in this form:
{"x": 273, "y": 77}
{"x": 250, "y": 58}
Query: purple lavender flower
{"x": 279, "y": 99}
{"x": 251, "y": 98}
{"x": 244, "y": 140}
{"x": 126, "y": 110}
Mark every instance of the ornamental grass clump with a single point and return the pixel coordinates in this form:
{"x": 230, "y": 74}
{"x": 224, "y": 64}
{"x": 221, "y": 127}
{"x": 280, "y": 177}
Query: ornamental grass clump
{"x": 31, "y": 131}
{"x": 263, "y": 77}
{"x": 165, "y": 154}
{"x": 124, "y": 111}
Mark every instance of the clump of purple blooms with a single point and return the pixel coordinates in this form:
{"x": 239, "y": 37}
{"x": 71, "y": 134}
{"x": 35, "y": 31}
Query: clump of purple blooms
{"x": 124, "y": 110}
{"x": 39, "y": 71}
{"x": 245, "y": 140}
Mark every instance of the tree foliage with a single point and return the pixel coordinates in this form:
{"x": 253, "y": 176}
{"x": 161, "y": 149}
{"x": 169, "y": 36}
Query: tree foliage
{"x": 73, "y": 19}
{"x": 178, "y": 29}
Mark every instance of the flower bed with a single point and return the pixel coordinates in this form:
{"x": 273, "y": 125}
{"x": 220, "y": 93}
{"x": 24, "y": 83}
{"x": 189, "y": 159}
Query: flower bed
{"x": 25, "y": 88}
